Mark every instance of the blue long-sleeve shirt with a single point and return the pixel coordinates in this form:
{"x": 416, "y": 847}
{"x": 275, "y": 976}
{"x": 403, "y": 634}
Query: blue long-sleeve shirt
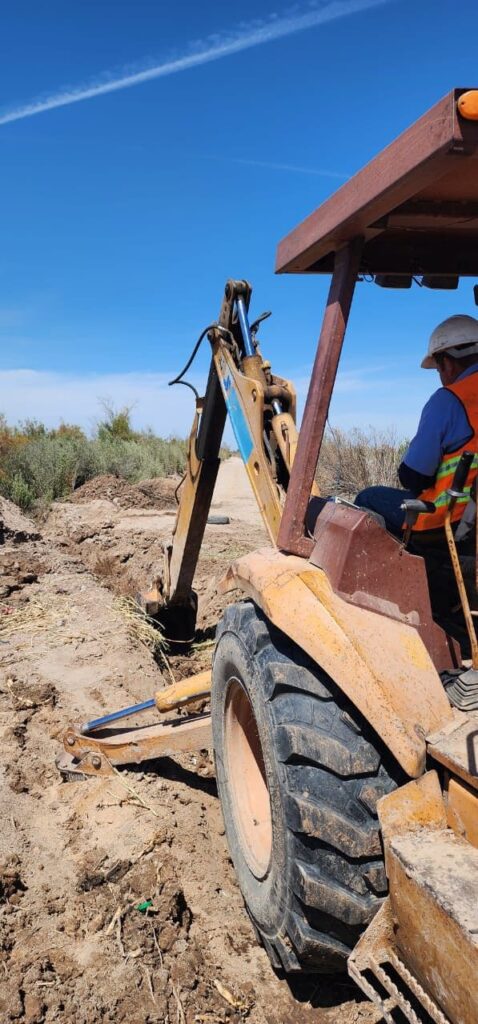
{"x": 444, "y": 427}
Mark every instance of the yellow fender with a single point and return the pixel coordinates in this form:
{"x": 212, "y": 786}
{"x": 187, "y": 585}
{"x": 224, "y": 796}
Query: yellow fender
{"x": 379, "y": 663}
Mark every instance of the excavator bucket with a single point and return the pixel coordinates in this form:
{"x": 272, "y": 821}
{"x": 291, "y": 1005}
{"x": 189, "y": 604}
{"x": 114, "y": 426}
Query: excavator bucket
{"x": 175, "y": 621}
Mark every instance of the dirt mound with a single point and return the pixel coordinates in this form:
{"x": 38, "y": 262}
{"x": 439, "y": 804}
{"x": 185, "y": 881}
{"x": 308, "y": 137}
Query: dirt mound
{"x": 147, "y": 494}
{"x": 161, "y": 491}
{"x": 14, "y": 525}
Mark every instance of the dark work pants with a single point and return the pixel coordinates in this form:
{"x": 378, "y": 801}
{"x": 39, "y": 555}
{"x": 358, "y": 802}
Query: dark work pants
{"x": 386, "y": 501}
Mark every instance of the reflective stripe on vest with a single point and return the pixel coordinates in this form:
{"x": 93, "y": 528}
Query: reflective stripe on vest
{"x": 467, "y": 391}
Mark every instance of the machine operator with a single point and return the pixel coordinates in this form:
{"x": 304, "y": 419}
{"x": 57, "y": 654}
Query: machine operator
{"x": 448, "y": 426}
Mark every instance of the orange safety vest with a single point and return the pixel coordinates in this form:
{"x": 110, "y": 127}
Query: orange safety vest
{"x": 467, "y": 391}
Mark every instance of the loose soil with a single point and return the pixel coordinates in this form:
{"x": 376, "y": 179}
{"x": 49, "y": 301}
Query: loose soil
{"x": 118, "y": 901}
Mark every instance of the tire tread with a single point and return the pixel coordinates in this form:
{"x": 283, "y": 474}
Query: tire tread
{"x": 333, "y": 770}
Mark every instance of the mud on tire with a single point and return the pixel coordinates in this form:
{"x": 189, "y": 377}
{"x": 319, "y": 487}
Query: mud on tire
{"x": 299, "y": 774}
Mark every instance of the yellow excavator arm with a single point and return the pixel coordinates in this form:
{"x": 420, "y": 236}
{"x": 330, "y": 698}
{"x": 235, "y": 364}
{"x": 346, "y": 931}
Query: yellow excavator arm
{"x": 262, "y": 411}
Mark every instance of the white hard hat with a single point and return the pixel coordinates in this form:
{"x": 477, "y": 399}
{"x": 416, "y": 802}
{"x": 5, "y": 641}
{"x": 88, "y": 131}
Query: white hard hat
{"x": 458, "y": 336}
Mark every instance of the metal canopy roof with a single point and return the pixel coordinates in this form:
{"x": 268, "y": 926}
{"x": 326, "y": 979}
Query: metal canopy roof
{"x": 415, "y": 205}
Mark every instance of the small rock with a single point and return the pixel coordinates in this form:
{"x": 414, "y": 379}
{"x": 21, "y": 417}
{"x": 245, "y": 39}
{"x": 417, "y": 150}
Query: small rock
{"x": 167, "y": 937}
{"x": 16, "y": 899}
{"x": 33, "y": 1009}
{"x": 161, "y": 979}
{"x": 71, "y": 926}
{"x": 97, "y": 923}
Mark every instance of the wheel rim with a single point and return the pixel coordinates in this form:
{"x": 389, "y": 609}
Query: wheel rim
{"x": 247, "y": 780}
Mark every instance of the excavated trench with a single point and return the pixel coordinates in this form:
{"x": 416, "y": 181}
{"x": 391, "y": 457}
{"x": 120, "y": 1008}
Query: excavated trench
{"x": 118, "y": 902}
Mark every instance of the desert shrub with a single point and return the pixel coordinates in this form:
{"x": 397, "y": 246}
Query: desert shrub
{"x": 354, "y": 459}
{"x": 31, "y": 429}
{"x": 53, "y": 466}
{"x": 68, "y": 430}
{"x": 21, "y": 493}
{"x": 49, "y": 465}
{"x": 116, "y": 425}
{"x": 139, "y": 458}
{"x": 9, "y": 439}
{"x": 38, "y": 465}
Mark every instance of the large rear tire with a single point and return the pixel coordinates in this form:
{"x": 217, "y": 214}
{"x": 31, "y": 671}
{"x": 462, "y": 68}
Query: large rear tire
{"x": 299, "y": 774}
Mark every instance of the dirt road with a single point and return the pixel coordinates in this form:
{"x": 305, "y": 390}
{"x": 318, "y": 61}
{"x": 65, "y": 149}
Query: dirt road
{"x": 80, "y": 862}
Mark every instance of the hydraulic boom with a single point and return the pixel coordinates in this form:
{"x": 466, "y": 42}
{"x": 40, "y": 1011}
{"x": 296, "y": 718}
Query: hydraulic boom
{"x": 262, "y": 410}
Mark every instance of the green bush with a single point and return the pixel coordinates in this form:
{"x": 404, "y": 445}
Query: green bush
{"x": 50, "y": 466}
{"x": 116, "y": 425}
{"x": 38, "y": 465}
{"x": 140, "y": 458}
{"x": 21, "y": 493}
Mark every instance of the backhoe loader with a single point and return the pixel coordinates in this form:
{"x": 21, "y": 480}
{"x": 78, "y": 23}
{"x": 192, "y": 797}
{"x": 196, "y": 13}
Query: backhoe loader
{"x": 344, "y": 684}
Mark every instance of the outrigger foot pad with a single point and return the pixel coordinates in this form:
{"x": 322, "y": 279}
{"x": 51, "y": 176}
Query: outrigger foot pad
{"x": 462, "y": 689}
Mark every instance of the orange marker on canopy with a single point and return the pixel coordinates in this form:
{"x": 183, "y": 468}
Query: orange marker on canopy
{"x": 468, "y": 105}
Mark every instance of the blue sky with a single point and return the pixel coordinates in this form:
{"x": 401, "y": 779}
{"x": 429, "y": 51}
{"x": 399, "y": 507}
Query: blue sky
{"x": 123, "y": 214}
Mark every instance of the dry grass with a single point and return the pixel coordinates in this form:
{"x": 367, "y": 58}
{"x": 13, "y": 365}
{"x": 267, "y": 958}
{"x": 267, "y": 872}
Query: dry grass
{"x": 29, "y": 618}
{"x": 23, "y": 626}
{"x": 352, "y": 460}
{"x": 143, "y": 630}
{"x": 105, "y": 566}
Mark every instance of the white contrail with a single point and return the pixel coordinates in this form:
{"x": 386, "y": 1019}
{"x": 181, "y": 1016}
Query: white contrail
{"x": 213, "y": 48}
{"x": 293, "y": 168}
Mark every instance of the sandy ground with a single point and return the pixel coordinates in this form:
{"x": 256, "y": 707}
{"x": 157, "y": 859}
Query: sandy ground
{"x": 78, "y": 859}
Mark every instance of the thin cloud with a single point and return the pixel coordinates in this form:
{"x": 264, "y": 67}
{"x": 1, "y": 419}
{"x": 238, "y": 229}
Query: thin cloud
{"x": 52, "y": 397}
{"x": 290, "y": 168}
{"x": 75, "y": 397}
{"x": 214, "y": 48}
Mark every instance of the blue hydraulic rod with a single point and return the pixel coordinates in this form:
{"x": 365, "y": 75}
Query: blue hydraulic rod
{"x": 249, "y": 349}
{"x": 249, "y": 344}
{"x": 98, "y": 723}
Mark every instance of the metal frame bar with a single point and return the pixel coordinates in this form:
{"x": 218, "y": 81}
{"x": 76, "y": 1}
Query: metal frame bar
{"x": 292, "y": 537}
{"x": 95, "y": 754}
{"x": 202, "y": 469}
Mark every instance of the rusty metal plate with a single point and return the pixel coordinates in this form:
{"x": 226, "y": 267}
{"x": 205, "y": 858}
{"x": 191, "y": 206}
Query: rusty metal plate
{"x": 425, "y": 183}
{"x": 417, "y": 805}
{"x": 370, "y": 568}
{"x": 131, "y": 746}
{"x": 433, "y": 880}
{"x": 456, "y": 747}
{"x": 462, "y": 810}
